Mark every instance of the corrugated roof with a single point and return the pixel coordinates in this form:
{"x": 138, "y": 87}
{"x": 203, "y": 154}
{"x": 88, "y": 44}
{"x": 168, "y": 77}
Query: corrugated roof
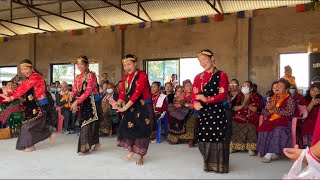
{"x": 108, "y": 15}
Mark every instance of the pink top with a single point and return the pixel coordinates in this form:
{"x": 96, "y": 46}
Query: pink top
{"x": 90, "y": 88}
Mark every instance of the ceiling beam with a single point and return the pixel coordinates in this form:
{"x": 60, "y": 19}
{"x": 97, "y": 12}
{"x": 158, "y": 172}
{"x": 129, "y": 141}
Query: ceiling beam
{"x": 118, "y": 7}
{"x": 143, "y": 9}
{"x": 86, "y": 12}
{"x": 8, "y": 29}
{"x": 43, "y": 19}
{"x": 19, "y": 24}
{"x": 51, "y": 13}
{"x": 88, "y": 9}
{"x": 213, "y": 6}
{"x": 4, "y": 34}
{"x": 220, "y": 6}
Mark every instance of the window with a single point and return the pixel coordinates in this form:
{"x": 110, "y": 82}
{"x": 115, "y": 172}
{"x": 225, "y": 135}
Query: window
{"x": 7, "y": 73}
{"x": 299, "y": 63}
{"x": 63, "y": 72}
{"x": 67, "y": 72}
{"x": 161, "y": 70}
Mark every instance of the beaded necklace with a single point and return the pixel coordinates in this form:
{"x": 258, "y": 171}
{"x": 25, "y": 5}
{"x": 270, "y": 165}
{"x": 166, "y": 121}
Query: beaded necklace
{"x": 127, "y": 87}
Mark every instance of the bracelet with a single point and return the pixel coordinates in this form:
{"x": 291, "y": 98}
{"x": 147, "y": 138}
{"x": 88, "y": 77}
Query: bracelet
{"x": 125, "y": 108}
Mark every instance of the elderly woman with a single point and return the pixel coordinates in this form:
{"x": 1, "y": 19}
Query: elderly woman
{"x": 183, "y": 130}
{"x": 245, "y": 120}
{"x": 274, "y": 134}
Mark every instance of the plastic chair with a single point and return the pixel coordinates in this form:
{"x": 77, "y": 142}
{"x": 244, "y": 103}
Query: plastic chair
{"x": 304, "y": 113}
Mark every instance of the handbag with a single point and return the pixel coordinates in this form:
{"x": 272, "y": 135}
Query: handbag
{"x": 180, "y": 113}
{"x": 312, "y": 171}
{"x": 5, "y": 133}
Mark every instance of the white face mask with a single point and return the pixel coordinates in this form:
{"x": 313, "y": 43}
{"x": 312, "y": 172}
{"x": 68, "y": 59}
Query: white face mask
{"x": 109, "y": 91}
{"x": 101, "y": 90}
{"x": 292, "y": 91}
{"x": 59, "y": 89}
{"x": 245, "y": 90}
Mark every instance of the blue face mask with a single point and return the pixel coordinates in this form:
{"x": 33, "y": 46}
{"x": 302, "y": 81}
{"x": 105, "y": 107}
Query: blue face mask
{"x": 53, "y": 90}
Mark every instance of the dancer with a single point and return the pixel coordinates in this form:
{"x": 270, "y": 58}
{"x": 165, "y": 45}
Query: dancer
{"x": 87, "y": 97}
{"x": 34, "y": 129}
{"x": 135, "y": 101}
{"x": 210, "y": 89}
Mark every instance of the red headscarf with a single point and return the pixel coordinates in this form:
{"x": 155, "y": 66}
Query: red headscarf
{"x": 316, "y": 132}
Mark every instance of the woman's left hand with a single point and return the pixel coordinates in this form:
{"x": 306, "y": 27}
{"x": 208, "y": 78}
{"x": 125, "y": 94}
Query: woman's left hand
{"x": 201, "y": 97}
{"x": 74, "y": 106}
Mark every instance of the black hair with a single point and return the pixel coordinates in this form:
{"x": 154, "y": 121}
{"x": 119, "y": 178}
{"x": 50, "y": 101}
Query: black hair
{"x": 254, "y": 88}
{"x": 84, "y": 59}
{"x": 131, "y": 56}
{"x": 285, "y": 82}
{"x": 157, "y": 83}
{"x": 168, "y": 83}
{"x": 209, "y": 51}
{"x": 271, "y": 93}
{"x": 28, "y": 61}
{"x": 4, "y": 83}
{"x": 236, "y": 80}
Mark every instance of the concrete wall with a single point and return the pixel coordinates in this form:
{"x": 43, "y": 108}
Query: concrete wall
{"x": 17, "y": 49}
{"x": 277, "y": 31}
{"x": 245, "y": 49}
{"x": 102, "y": 47}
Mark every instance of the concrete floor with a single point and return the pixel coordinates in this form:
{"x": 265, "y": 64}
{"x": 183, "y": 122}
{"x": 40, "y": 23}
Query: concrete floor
{"x": 163, "y": 161}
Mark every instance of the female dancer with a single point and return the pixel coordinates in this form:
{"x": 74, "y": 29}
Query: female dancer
{"x": 34, "y": 129}
{"x": 86, "y": 91}
{"x": 209, "y": 91}
{"x": 135, "y": 101}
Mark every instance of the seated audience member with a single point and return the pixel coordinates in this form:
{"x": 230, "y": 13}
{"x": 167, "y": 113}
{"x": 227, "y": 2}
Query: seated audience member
{"x": 245, "y": 120}
{"x": 233, "y": 92}
{"x": 110, "y": 116}
{"x": 160, "y": 104}
{"x": 64, "y": 100}
{"x": 313, "y": 109}
{"x": 168, "y": 88}
{"x": 274, "y": 134}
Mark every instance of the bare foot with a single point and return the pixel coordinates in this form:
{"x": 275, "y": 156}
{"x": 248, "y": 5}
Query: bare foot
{"x": 83, "y": 153}
{"x": 52, "y": 137}
{"x": 29, "y": 149}
{"x": 139, "y": 161}
{"x": 129, "y": 155}
{"x": 96, "y": 147}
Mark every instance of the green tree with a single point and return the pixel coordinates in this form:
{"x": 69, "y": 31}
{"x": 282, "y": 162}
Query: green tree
{"x": 59, "y": 71}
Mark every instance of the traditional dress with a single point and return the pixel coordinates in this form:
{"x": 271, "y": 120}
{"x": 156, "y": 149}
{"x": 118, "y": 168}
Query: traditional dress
{"x": 85, "y": 87}
{"x": 213, "y": 121}
{"x": 299, "y": 100}
{"x": 160, "y": 105}
{"x": 106, "y": 123}
{"x": 183, "y": 130}
{"x": 10, "y": 113}
{"x": 138, "y": 121}
{"x": 244, "y": 135}
{"x": 274, "y": 134}
{"x": 308, "y": 125}
{"x": 35, "y": 128}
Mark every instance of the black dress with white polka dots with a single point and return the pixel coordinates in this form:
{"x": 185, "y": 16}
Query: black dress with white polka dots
{"x": 212, "y": 118}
